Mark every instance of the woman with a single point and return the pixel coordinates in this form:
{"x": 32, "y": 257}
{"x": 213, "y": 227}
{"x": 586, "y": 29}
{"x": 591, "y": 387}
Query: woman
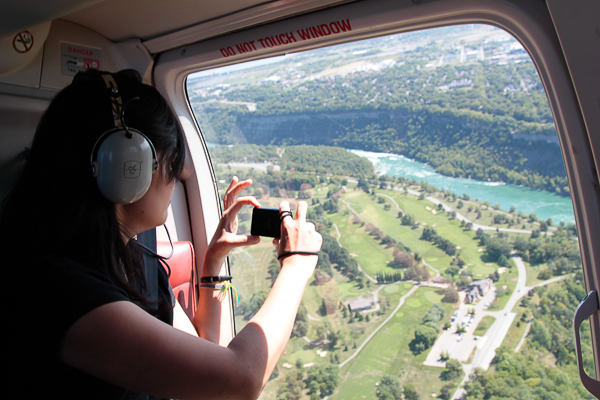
{"x": 82, "y": 327}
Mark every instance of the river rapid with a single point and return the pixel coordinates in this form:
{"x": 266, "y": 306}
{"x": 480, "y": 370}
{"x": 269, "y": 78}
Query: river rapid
{"x": 544, "y": 204}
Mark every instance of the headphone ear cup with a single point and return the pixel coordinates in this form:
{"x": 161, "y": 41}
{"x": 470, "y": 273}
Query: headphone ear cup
{"x": 124, "y": 165}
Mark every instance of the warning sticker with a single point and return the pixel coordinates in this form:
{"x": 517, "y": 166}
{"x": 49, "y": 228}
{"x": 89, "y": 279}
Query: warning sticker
{"x": 289, "y": 37}
{"x": 23, "y": 42}
{"x": 74, "y": 58}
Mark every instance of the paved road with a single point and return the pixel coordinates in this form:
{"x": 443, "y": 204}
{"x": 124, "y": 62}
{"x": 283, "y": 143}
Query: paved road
{"x": 392, "y": 200}
{"x": 493, "y": 338}
{"x": 349, "y": 206}
{"x": 527, "y": 328}
{"x": 339, "y": 235}
{"x": 447, "y": 208}
{"x": 462, "y": 217}
{"x": 437, "y": 272}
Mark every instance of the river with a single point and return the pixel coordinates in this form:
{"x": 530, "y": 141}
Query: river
{"x": 544, "y": 204}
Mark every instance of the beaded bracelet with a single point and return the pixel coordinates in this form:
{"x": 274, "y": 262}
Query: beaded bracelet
{"x": 223, "y": 288}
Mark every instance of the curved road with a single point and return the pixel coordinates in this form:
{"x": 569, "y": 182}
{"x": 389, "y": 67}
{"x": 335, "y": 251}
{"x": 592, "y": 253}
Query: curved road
{"x": 447, "y": 208}
{"x": 486, "y": 349}
{"x": 494, "y": 336}
{"x": 400, "y": 304}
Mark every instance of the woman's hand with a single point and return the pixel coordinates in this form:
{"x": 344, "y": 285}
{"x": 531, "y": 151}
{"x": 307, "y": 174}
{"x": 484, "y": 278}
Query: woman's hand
{"x": 298, "y": 235}
{"x": 226, "y": 238}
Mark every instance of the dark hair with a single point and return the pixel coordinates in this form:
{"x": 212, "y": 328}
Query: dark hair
{"x": 55, "y": 208}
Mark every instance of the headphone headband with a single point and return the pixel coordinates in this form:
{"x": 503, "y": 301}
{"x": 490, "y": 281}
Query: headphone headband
{"x": 115, "y": 99}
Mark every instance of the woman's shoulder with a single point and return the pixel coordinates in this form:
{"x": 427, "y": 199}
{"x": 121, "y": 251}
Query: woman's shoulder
{"x": 81, "y": 281}
{"x": 65, "y": 288}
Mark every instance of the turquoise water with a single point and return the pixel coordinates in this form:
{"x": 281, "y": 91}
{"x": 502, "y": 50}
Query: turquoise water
{"x": 544, "y": 204}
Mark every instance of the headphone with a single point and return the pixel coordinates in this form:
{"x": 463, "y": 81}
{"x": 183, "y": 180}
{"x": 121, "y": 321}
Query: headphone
{"x": 123, "y": 159}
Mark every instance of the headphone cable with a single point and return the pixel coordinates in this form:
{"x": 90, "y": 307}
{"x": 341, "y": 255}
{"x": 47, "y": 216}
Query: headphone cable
{"x": 129, "y": 135}
{"x": 162, "y": 259}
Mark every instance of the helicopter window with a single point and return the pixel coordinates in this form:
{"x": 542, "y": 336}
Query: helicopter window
{"x": 431, "y": 166}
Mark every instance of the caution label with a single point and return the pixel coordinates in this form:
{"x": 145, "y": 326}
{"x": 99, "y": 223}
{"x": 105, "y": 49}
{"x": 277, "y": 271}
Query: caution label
{"x": 286, "y": 38}
{"x": 75, "y": 58}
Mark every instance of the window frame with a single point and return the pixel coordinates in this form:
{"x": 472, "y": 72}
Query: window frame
{"x": 528, "y": 21}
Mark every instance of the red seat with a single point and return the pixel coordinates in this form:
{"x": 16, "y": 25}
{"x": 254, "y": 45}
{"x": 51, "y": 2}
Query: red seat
{"x": 183, "y": 273}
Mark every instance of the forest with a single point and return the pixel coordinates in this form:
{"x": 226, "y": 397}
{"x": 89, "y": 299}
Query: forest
{"x": 302, "y": 158}
{"x": 477, "y": 120}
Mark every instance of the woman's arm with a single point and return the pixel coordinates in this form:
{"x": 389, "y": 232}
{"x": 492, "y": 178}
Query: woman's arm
{"x": 210, "y": 316}
{"x": 181, "y": 320}
{"x": 122, "y": 344}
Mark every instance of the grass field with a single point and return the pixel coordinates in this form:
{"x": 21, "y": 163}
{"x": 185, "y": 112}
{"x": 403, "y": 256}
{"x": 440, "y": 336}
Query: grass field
{"x": 483, "y": 325}
{"x": 370, "y": 210}
{"x": 508, "y": 282}
{"x": 517, "y": 328}
{"x": 532, "y": 273}
{"x": 388, "y": 353}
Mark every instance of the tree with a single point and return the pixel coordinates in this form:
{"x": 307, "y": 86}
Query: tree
{"x": 291, "y": 387}
{"x": 417, "y": 272}
{"x": 503, "y": 261}
{"x": 450, "y": 295}
{"x": 425, "y": 335}
{"x": 389, "y": 388}
{"x": 494, "y": 276}
{"x": 402, "y": 259}
{"x": 446, "y": 392}
{"x": 497, "y": 247}
{"x": 301, "y": 323}
{"x": 452, "y": 270}
{"x": 323, "y": 379}
{"x": 521, "y": 244}
{"x": 410, "y": 393}
{"x": 320, "y": 332}
{"x": 453, "y": 370}
{"x": 333, "y": 338}
{"x": 434, "y": 314}
{"x": 254, "y": 304}
{"x": 274, "y": 269}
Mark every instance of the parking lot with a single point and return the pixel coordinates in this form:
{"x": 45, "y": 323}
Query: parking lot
{"x": 460, "y": 346}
